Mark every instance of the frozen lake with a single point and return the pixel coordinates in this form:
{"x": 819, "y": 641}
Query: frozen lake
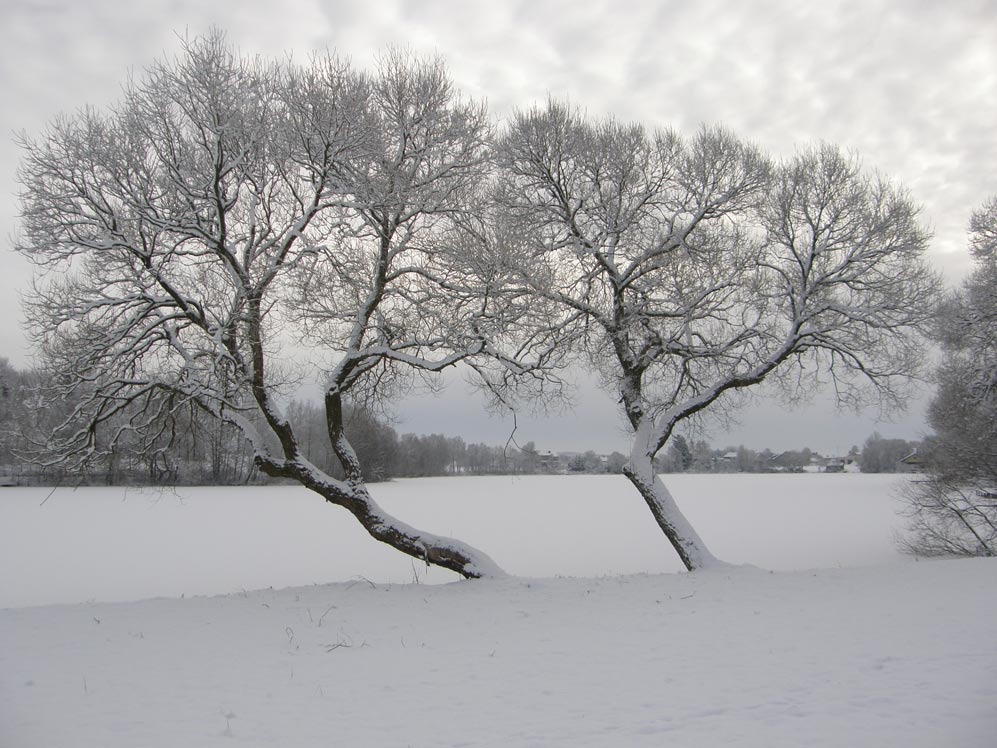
{"x": 115, "y": 544}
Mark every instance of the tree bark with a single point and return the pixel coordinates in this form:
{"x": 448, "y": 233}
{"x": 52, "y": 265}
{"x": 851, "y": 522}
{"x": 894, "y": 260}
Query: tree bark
{"x": 686, "y": 541}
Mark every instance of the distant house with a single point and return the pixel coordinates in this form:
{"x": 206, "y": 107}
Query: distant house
{"x": 785, "y": 462}
{"x": 912, "y": 463}
{"x": 834, "y": 465}
{"x": 549, "y": 462}
{"x": 725, "y": 463}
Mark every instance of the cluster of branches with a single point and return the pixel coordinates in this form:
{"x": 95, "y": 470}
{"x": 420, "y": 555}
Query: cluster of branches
{"x": 229, "y": 209}
{"x": 193, "y": 448}
{"x": 190, "y": 448}
{"x": 953, "y": 509}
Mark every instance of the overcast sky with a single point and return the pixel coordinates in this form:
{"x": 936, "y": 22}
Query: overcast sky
{"x": 908, "y": 84}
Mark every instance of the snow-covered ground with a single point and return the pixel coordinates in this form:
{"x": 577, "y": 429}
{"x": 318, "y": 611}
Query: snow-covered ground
{"x": 113, "y": 544}
{"x": 867, "y": 648}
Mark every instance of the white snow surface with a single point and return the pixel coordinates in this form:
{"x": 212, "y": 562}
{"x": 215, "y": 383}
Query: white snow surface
{"x": 113, "y": 544}
{"x": 873, "y": 649}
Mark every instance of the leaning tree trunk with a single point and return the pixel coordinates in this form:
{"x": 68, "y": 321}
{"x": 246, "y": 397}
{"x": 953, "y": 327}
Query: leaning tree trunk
{"x": 449, "y": 553}
{"x": 353, "y": 495}
{"x": 686, "y": 541}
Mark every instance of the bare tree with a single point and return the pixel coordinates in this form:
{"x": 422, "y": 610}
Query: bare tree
{"x": 953, "y": 508}
{"x": 950, "y": 515}
{"x": 689, "y": 270}
{"x": 228, "y": 209}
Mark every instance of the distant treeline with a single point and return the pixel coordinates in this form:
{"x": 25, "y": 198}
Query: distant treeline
{"x": 197, "y": 450}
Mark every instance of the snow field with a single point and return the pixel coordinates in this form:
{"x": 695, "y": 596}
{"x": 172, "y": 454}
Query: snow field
{"x": 113, "y": 544}
{"x": 899, "y": 655}
{"x": 883, "y": 651}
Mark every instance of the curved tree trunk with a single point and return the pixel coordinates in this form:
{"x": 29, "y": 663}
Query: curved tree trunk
{"x": 449, "y": 553}
{"x": 352, "y": 494}
{"x": 686, "y": 541}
